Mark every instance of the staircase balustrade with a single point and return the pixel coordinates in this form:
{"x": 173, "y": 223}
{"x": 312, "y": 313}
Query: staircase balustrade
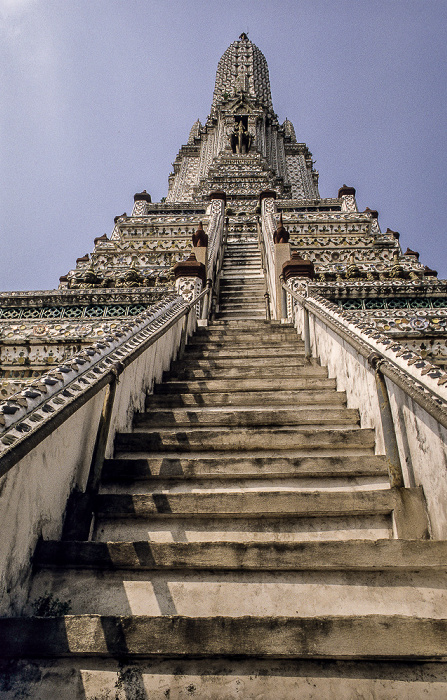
{"x": 401, "y": 395}
{"x": 265, "y": 234}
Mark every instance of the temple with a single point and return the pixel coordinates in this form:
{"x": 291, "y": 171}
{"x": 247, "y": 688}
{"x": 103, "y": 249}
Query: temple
{"x": 223, "y": 465}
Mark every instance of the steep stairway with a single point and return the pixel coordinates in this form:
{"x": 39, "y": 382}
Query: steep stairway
{"x": 242, "y": 281}
{"x": 246, "y": 544}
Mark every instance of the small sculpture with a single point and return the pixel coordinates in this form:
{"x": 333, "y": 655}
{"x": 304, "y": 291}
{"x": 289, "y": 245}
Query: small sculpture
{"x": 200, "y": 238}
{"x": 241, "y": 139}
{"x": 280, "y": 235}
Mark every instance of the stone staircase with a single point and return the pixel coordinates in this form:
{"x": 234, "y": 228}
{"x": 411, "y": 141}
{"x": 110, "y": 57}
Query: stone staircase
{"x": 242, "y": 284}
{"x": 246, "y": 544}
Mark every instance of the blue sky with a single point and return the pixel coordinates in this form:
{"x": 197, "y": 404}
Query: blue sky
{"x": 99, "y": 95}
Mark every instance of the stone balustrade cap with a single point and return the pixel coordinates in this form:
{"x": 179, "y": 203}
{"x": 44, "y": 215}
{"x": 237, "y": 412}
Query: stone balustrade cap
{"x": 267, "y": 194}
{"x": 345, "y": 190}
{"x": 297, "y": 267}
{"x": 142, "y": 197}
{"x": 190, "y": 268}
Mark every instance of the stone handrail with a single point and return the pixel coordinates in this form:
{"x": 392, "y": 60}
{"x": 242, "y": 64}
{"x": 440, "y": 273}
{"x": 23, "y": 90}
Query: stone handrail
{"x": 268, "y": 227}
{"x": 215, "y": 235}
{"x": 30, "y": 415}
{"x": 425, "y": 383}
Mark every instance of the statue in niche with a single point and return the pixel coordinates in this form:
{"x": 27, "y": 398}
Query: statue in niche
{"x": 241, "y": 139}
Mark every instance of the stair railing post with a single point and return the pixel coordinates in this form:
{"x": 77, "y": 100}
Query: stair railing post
{"x": 267, "y": 306}
{"x": 386, "y": 416}
{"x": 206, "y": 301}
{"x": 283, "y": 299}
{"x": 307, "y": 348}
{"x": 184, "y": 334}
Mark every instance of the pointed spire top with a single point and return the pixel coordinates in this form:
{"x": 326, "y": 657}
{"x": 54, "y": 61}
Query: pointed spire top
{"x": 242, "y": 64}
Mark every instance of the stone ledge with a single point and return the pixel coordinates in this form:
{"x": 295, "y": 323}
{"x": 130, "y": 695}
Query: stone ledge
{"x": 353, "y": 555}
{"x": 354, "y": 637}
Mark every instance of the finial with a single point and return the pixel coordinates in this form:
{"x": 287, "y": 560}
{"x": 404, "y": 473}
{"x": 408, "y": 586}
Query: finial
{"x": 280, "y": 235}
{"x": 243, "y": 37}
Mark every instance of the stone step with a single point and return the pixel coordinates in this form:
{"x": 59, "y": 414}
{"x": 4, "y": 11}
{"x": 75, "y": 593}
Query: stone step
{"x": 245, "y": 528}
{"x": 226, "y": 385}
{"x": 239, "y": 417}
{"x": 247, "y": 362}
{"x": 264, "y": 371}
{"x": 293, "y": 503}
{"x": 224, "y": 352}
{"x": 135, "y": 636}
{"x": 354, "y": 555}
{"x": 241, "y": 287}
{"x": 253, "y": 305}
{"x": 246, "y": 398}
{"x": 245, "y": 329}
{"x": 250, "y": 259}
{"x": 252, "y": 366}
{"x": 272, "y": 326}
{"x": 242, "y": 484}
{"x": 262, "y": 593}
{"x": 246, "y": 315}
{"x": 241, "y": 300}
{"x": 227, "y": 341}
{"x": 244, "y": 439}
{"x": 223, "y": 678}
{"x": 226, "y": 466}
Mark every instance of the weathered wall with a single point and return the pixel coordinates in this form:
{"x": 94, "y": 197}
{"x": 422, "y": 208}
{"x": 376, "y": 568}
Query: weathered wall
{"x": 422, "y": 445}
{"x": 33, "y": 497}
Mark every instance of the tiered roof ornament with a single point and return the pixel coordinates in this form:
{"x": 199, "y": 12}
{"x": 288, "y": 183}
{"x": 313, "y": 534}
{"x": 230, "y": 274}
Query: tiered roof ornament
{"x": 242, "y": 122}
{"x": 242, "y": 70}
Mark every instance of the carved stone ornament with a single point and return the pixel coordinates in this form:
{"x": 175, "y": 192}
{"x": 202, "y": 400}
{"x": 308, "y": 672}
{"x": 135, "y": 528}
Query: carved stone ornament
{"x": 297, "y": 267}
{"x": 190, "y": 268}
{"x": 199, "y": 237}
{"x": 281, "y": 235}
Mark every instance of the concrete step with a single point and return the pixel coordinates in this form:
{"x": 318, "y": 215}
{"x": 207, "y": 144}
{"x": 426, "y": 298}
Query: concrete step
{"x": 268, "y": 360}
{"x": 294, "y": 383}
{"x": 264, "y": 371}
{"x": 375, "y": 637}
{"x": 246, "y": 398}
{"x": 225, "y": 352}
{"x": 242, "y": 416}
{"x": 250, "y": 592}
{"x": 293, "y": 503}
{"x": 228, "y": 466}
{"x": 245, "y": 528}
{"x": 222, "y": 678}
{"x": 243, "y": 484}
{"x": 398, "y": 556}
{"x": 245, "y": 439}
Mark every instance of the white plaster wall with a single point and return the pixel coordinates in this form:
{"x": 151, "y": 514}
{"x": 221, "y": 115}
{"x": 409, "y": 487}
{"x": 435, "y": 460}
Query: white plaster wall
{"x": 33, "y": 497}
{"x": 422, "y": 445}
{"x": 139, "y": 378}
{"x": 34, "y": 493}
{"x": 352, "y": 373}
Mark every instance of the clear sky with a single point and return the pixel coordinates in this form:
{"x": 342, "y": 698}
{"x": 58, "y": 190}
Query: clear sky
{"x": 99, "y": 95}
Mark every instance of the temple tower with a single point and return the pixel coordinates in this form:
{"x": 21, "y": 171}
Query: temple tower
{"x": 223, "y": 465}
